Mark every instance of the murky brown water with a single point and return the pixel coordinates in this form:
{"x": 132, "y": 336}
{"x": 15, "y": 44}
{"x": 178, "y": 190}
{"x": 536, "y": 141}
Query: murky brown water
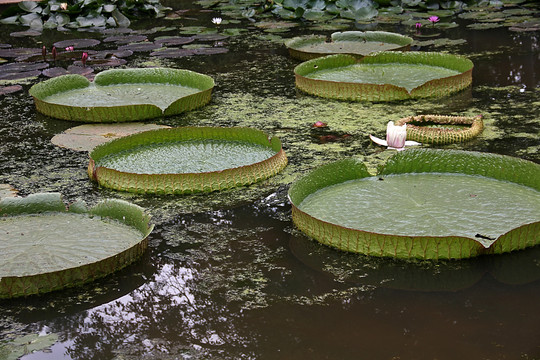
{"x": 227, "y": 276}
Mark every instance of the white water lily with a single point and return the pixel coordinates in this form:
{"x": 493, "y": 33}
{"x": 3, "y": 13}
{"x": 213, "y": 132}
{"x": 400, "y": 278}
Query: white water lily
{"x": 217, "y": 20}
{"x": 395, "y": 137}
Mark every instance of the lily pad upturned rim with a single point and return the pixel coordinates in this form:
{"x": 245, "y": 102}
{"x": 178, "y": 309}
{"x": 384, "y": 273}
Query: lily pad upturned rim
{"x": 495, "y": 166}
{"x": 434, "y": 135}
{"x": 42, "y": 90}
{"x": 186, "y": 183}
{"x": 297, "y": 45}
{"x": 384, "y": 92}
{"x": 47, "y": 203}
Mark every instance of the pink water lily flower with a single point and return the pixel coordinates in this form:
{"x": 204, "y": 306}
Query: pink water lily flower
{"x": 418, "y": 25}
{"x": 70, "y": 48}
{"x": 433, "y": 19}
{"x": 395, "y": 137}
{"x": 84, "y": 57}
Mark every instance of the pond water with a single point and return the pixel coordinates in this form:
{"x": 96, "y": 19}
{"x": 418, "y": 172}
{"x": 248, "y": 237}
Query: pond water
{"x": 228, "y": 276}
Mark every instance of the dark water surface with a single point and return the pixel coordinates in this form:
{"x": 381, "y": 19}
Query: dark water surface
{"x": 227, "y": 276}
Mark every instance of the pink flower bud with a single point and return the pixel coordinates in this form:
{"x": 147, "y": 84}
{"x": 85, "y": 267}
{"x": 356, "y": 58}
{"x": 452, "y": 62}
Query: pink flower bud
{"x": 84, "y": 58}
{"x": 319, "y": 124}
{"x": 54, "y": 53}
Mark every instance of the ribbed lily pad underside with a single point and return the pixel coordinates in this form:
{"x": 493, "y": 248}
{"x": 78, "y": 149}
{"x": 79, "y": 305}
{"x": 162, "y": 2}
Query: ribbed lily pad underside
{"x": 408, "y": 76}
{"x": 44, "y": 243}
{"x": 187, "y": 157}
{"x": 160, "y": 95}
{"x": 427, "y": 205}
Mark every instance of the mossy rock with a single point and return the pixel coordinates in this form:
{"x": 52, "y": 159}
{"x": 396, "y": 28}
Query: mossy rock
{"x": 122, "y": 94}
{"x": 357, "y": 43}
{"x": 424, "y": 203}
{"x": 46, "y": 246}
{"x": 435, "y": 129}
{"x": 384, "y": 76}
{"x": 186, "y": 160}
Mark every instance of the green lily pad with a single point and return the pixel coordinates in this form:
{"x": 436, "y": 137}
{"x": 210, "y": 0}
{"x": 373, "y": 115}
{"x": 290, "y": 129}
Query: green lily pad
{"x": 349, "y": 42}
{"x": 41, "y": 252}
{"x": 385, "y": 76}
{"x": 122, "y": 95}
{"x": 186, "y": 160}
{"x": 430, "y": 204}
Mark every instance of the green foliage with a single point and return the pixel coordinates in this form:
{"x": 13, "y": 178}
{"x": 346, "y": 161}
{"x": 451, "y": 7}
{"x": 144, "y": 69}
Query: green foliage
{"x": 54, "y": 14}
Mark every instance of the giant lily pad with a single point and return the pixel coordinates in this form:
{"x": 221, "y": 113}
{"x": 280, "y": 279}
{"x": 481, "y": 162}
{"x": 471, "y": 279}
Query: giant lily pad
{"x": 429, "y": 204}
{"x": 122, "y": 94}
{"x": 349, "y": 42}
{"x": 46, "y": 247}
{"x": 186, "y": 160}
{"x": 385, "y": 76}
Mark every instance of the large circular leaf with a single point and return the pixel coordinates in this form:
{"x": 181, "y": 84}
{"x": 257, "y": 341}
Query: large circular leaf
{"x": 46, "y": 247}
{"x": 122, "y": 94}
{"x": 384, "y": 76}
{"x": 358, "y": 43}
{"x": 424, "y": 203}
{"x": 186, "y": 160}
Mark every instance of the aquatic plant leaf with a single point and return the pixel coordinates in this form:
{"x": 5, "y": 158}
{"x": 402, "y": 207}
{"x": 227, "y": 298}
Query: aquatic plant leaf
{"x": 121, "y": 164}
{"x": 121, "y": 20}
{"x": 384, "y": 76}
{"x": 77, "y": 43}
{"x": 509, "y": 177}
{"x": 357, "y": 43}
{"x": 30, "y": 6}
{"x": 109, "y": 236}
{"x": 12, "y": 20}
{"x": 122, "y": 95}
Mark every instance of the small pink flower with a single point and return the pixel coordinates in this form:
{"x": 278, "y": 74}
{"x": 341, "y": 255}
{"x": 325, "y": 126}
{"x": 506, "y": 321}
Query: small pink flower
{"x": 418, "y": 25}
{"x": 433, "y": 19}
{"x": 54, "y": 53}
{"x": 84, "y": 58}
{"x": 319, "y": 124}
{"x": 69, "y": 48}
